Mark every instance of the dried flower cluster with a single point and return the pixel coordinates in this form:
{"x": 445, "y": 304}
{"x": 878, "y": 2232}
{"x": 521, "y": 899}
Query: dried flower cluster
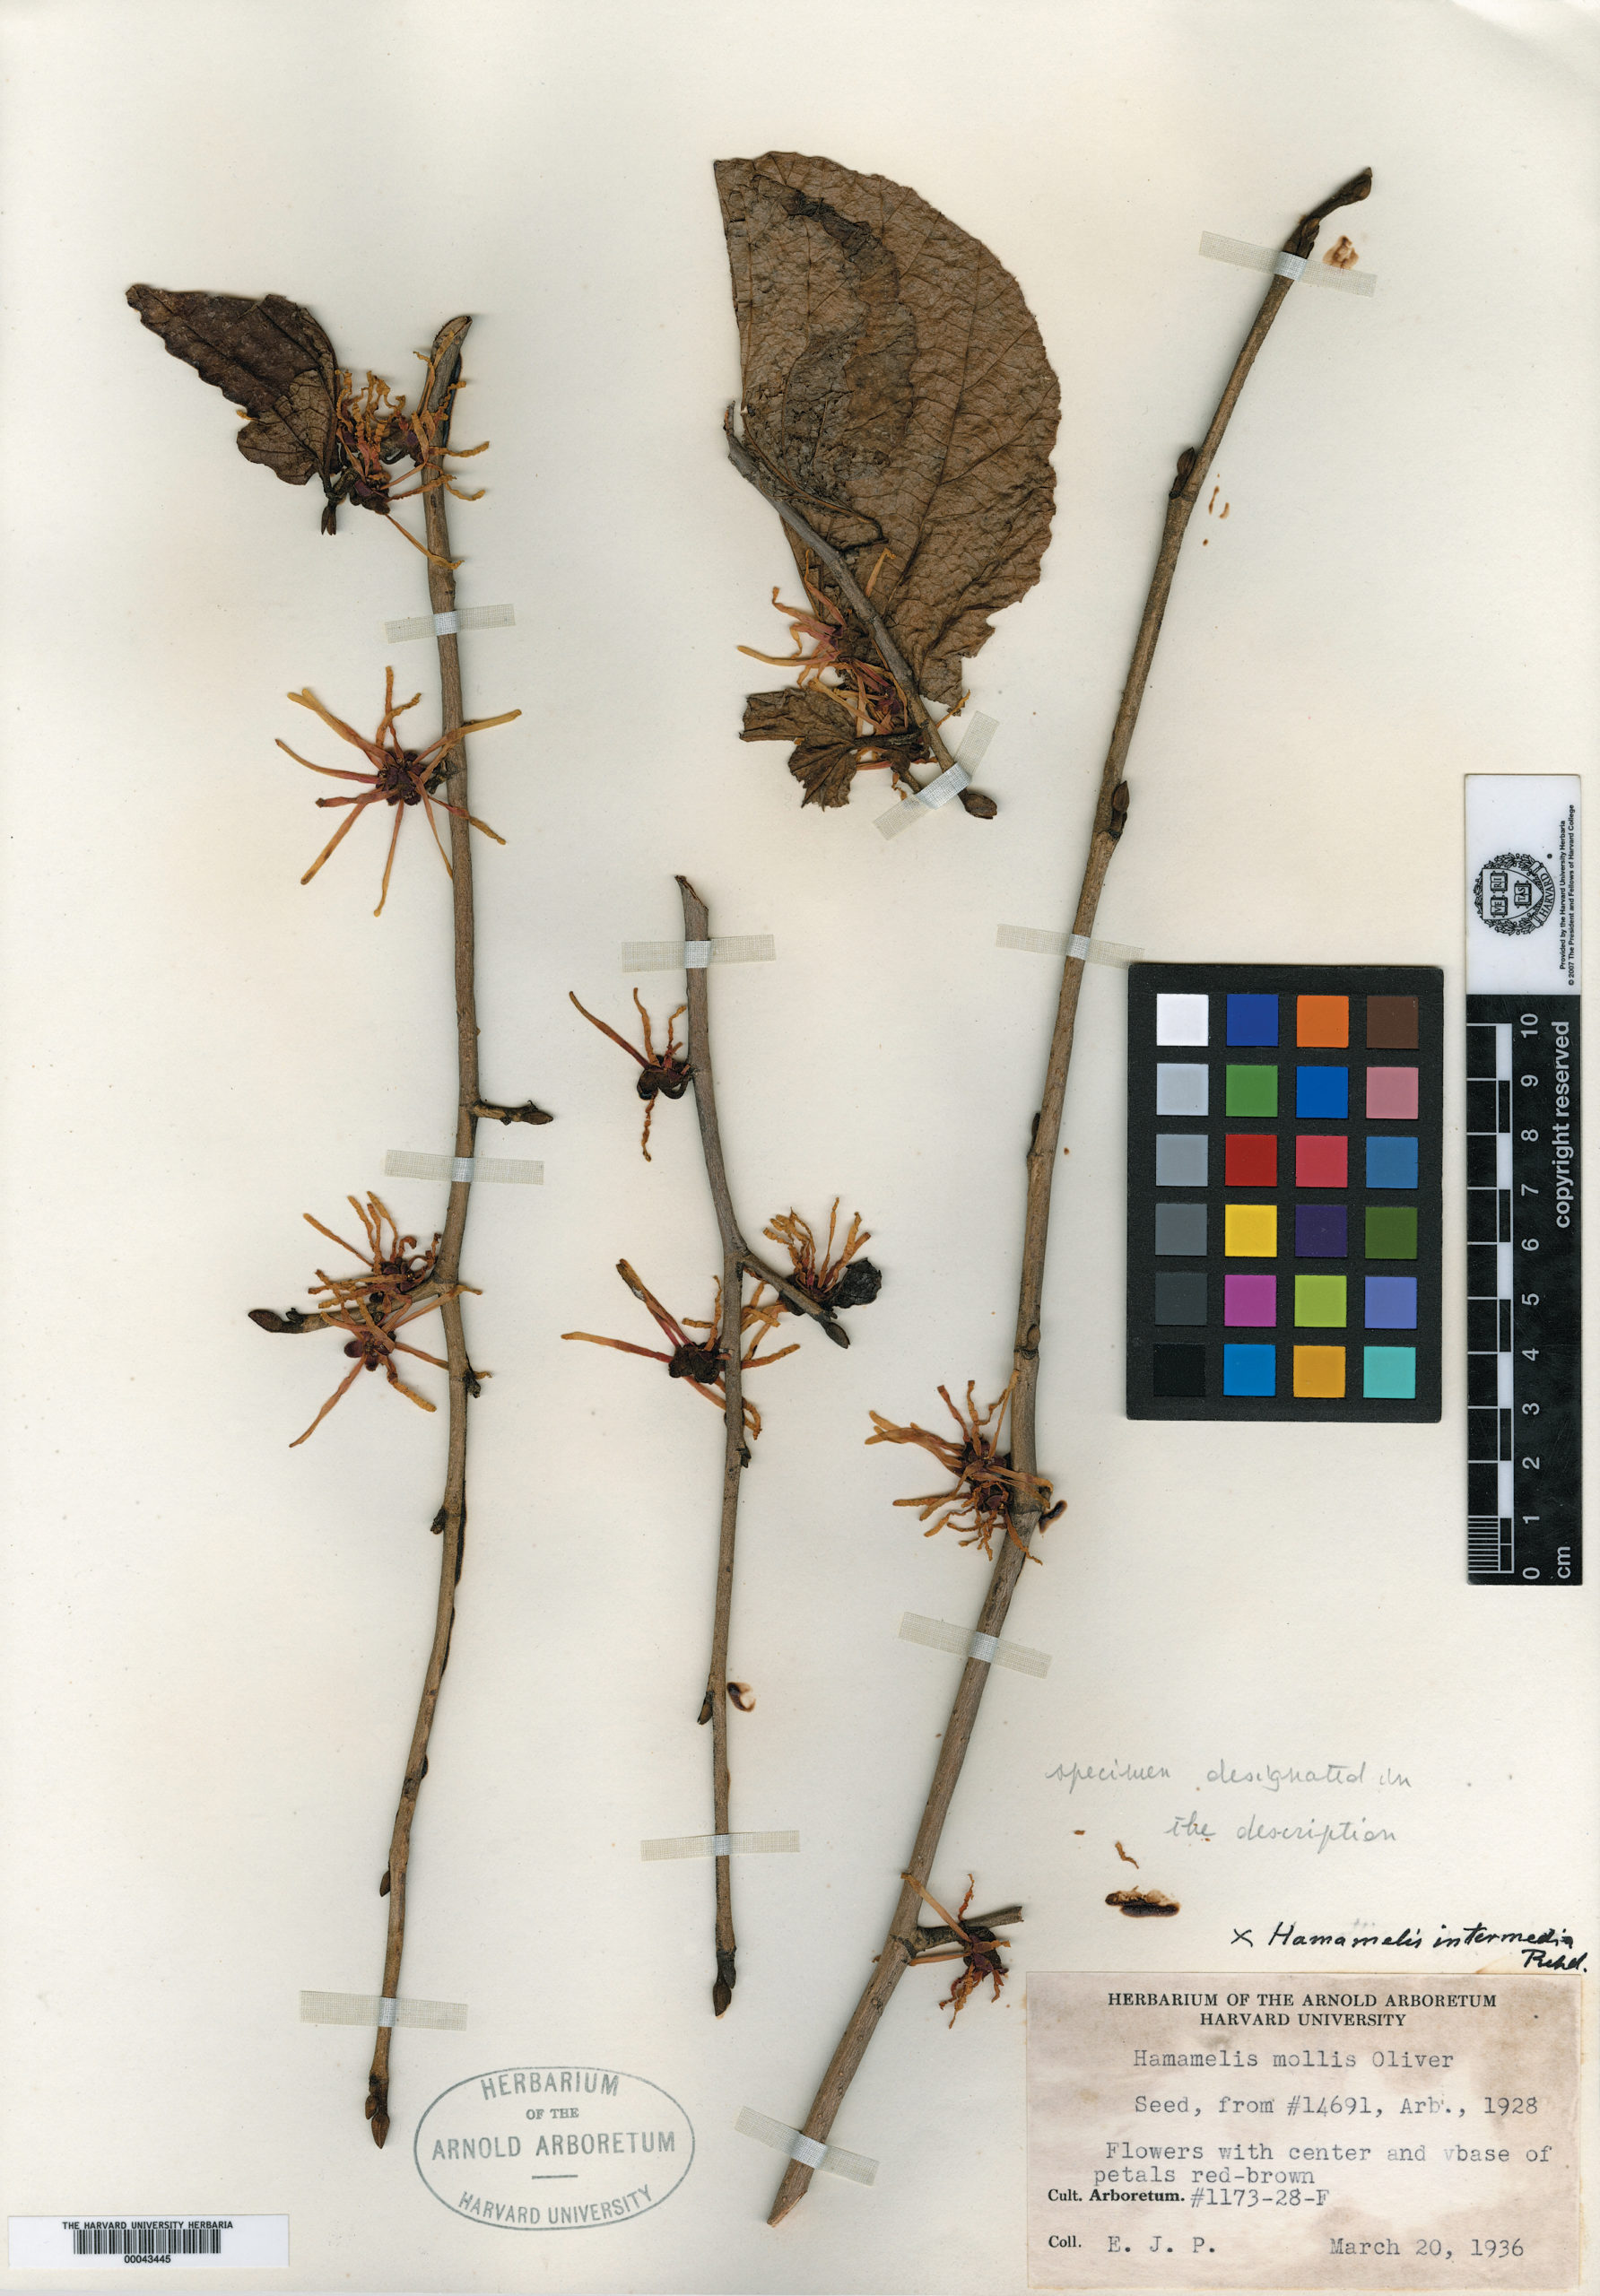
{"x": 700, "y": 1361}
{"x": 397, "y": 1284}
{"x": 987, "y": 1483}
{"x": 666, "y": 1073}
{"x": 978, "y": 1950}
{"x": 833, "y": 1282}
{"x": 850, "y": 712}
{"x": 399, "y": 776}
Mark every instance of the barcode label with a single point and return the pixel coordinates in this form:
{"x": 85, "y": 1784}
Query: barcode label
{"x": 252, "y": 2243}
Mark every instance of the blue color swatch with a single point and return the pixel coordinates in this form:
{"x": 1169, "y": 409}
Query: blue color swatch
{"x": 1322, "y": 1091}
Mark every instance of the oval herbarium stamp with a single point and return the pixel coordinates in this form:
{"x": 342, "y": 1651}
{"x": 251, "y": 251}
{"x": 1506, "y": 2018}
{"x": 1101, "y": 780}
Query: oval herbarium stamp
{"x": 554, "y": 2148}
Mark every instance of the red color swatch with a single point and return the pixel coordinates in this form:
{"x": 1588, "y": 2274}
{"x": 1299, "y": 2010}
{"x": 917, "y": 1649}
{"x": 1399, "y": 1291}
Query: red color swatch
{"x": 1321, "y": 1160}
{"x": 1251, "y": 1159}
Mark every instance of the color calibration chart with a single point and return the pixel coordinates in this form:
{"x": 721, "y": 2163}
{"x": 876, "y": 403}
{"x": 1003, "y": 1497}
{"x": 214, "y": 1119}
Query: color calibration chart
{"x": 1524, "y": 1196}
{"x": 1285, "y": 1166}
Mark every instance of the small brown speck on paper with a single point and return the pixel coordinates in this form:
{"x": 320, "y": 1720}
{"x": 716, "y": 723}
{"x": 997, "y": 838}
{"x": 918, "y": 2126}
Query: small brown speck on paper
{"x": 1320, "y": 2130}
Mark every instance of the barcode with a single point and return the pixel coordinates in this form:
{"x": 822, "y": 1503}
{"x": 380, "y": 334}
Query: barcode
{"x": 146, "y": 2239}
{"x": 199, "y": 2242}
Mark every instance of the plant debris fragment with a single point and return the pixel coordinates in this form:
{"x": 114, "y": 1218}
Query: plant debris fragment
{"x": 1142, "y": 1902}
{"x": 987, "y": 1483}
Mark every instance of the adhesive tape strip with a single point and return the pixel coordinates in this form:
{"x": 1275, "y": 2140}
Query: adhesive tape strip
{"x": 831, "y": 2159}
{"x": 940, "y": 1635}
{"x": 416, "y": 1164}
{"x": 1287, "y": 266}
{"x": 900, "y": 818}
{"x": 980, "y": 732}
{"x": 445, "y": 625}
{"x": 1039, "y": 942}
{"x": 715, "y": 1845}
{"x": 690, "y": 956}
{"x": 372, "y": 2009}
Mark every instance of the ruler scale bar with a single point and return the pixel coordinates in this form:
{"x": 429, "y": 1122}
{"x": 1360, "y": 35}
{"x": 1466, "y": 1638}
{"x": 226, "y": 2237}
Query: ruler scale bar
{"x": 1524, "y": 1286}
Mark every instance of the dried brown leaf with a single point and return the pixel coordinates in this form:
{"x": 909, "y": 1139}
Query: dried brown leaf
{"x": 895, "y": 383}
{"x": 823, "y": 732}
{"x": 270, "y": 357}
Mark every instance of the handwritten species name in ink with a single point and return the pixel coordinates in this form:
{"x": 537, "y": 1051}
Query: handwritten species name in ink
{"x": 1544, "y": 1949}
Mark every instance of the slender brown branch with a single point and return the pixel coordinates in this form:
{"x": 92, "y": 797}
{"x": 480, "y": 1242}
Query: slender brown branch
{"x": 451, "y": 1518}
{"x": 1109, "y": 813}
{"x": 697, "y": 926}
{"x": 860, "y": 605}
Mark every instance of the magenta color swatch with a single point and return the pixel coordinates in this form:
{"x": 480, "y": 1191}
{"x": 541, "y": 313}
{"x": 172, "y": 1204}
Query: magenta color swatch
{"x": 1392, "y": 1092}
{"x": 1249, "y": 1299}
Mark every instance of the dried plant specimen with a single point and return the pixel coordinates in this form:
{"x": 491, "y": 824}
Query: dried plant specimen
{"x": 1025, "y": 1500}
{"x": 307, "y": 417}
{"x": 715, "y": 1366}
{"x": 900, "y": 410}
{"x": 399, "y": 776}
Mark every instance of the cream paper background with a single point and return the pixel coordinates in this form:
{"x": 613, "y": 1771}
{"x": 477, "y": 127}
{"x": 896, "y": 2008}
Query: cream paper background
{"x": 214, "y": 1642}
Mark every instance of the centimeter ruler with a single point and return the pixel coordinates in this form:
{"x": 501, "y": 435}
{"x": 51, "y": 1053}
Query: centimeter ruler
{"x": 1524, "y": 1096}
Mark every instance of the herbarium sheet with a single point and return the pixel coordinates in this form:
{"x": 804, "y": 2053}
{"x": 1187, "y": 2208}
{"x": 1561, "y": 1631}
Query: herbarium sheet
{"x": 1288, "y": 1818}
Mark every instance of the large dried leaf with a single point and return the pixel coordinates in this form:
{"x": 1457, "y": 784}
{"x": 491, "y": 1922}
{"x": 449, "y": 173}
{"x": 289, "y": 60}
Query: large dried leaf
{"x": 271, "y": 358}
{"x": 895, "y": 383}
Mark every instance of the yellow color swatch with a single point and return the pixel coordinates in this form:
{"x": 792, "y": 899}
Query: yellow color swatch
{"x": 1319, "y": 1370}
{"x": 1250, "y": 1231}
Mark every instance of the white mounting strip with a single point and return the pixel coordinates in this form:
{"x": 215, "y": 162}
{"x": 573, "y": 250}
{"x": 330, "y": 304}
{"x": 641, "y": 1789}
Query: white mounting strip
{"x": 1039, "y": 942}
{"x": 1287, "y": 266}
{"x": 966, "y": 1643}
{"x": 371, "y": 2009}
{"x": 831, "y": 2159}
{"x": 715, "y": 1845}
{"x": 445, "y": 625}
{"x": 684, "y": 956}
{"x": 948, "y": 784}
{"x": 416, "y": 1164}
{"x": 980, "y": 732}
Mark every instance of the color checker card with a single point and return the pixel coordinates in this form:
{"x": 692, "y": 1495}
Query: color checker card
{"x": 1283, "y": 1208}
